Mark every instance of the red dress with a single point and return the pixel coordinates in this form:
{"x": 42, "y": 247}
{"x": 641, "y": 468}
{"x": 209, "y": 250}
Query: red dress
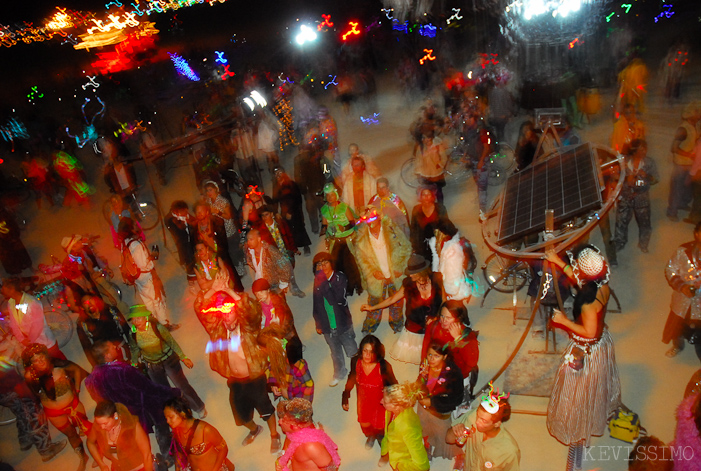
{"x": 371, "y": 414}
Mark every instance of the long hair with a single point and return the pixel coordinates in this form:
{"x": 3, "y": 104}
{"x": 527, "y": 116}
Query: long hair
{"x": 458, "y": 310}
{"x": 377, "y": 348}
{"x": 270, "y": 339}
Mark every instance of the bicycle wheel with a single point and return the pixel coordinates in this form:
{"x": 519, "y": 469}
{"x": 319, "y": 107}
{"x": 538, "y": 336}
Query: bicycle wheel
{"x": 502, "y": 163}
{"x": 60, "y": 323}
{"x": 408, "y": 175}
{"x": 6, "y": 416}
{"x": 148, "y": 215}
{"x": 504, "y": 274}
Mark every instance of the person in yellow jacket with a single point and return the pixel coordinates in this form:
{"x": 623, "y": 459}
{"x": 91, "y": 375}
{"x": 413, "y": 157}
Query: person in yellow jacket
{"x": 402, "y": 445}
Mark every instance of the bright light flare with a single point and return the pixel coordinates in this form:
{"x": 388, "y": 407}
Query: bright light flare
{"x": 306, "y": 34}
{"x": 258, "y": 98}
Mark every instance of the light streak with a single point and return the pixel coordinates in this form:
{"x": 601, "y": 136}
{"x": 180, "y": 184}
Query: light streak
{"x": 327, "y": 22}
{"x": 626, "y": 6}
{"x": 183, "y": 68}
{"x": 404, "y": 27}
{"x": 455, "y": 16}
{"x": 33, "y": 94}
{"x": 371, "y": 121}
{"x": 115, "y": 3}
{"x": 91, "y": 82}
{"x": 374, "y": 24}
{"x": 89, "y": 132}
{"x": 225, "y": 308}
{"x": 608, "y": 17}
{"x": 13, "y": 130}
{"x": 331, "y": 82}
{"x": 258, "y": 98}
{"x": 428, "y": 56}
{"x": 227, "y": 73}
{"x": 428, "y": 30}
{"x": 576, "y": 40}
{"x": 388, "y": 11}
{"x": 353, "y": 30}
{"x": 666, "y": 14}
{"x": 220, "y": 57}
{"x": 232, "y": 345}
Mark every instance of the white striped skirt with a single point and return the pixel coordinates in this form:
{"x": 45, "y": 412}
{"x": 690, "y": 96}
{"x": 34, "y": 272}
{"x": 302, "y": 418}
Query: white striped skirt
{"x": 582, "y": 401}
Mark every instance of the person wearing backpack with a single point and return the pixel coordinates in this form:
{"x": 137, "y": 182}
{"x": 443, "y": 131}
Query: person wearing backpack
{"x": 154, "y": 346}
{"x": 138, "y": 269}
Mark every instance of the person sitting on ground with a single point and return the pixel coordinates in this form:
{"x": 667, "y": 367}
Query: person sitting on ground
{"x": 307, "y": 446}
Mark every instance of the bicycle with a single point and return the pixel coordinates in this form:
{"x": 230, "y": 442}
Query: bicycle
{"x": 506, "y": 275}
{"x": 145, "y": 212}
{"x": 460, "y": 166}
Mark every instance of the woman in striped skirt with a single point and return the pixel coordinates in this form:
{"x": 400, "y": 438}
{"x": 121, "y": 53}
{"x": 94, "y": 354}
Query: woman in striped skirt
{"x": 587, "y": 389}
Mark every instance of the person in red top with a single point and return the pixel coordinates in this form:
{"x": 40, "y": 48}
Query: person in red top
{"x": 371, "y": 373}
{"x": 452, "y": 329}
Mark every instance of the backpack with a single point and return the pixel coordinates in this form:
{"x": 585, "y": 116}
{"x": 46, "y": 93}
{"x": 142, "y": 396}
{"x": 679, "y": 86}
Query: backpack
{"x": 128, "y": 268}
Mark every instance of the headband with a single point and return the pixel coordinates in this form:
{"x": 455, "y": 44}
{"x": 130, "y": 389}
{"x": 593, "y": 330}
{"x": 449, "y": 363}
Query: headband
{"x": 490, "y": 402}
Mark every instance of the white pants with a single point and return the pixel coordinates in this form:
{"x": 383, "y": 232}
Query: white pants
{"x": 147, "y": 292}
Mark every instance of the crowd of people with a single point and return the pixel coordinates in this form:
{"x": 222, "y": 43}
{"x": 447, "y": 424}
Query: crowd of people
{"x": 412, "y": 261}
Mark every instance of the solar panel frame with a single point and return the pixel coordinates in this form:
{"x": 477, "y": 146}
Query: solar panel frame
{"x": 568, "y": 182}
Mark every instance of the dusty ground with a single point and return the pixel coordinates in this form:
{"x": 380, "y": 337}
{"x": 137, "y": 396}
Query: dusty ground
{"x": 652, "y": 383}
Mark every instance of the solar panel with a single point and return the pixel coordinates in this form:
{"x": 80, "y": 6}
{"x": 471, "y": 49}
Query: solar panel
{"x": 567, "y": 182}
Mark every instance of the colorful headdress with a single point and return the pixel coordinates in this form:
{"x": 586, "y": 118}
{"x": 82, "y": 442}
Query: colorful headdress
{"x": 490, "y": 401}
